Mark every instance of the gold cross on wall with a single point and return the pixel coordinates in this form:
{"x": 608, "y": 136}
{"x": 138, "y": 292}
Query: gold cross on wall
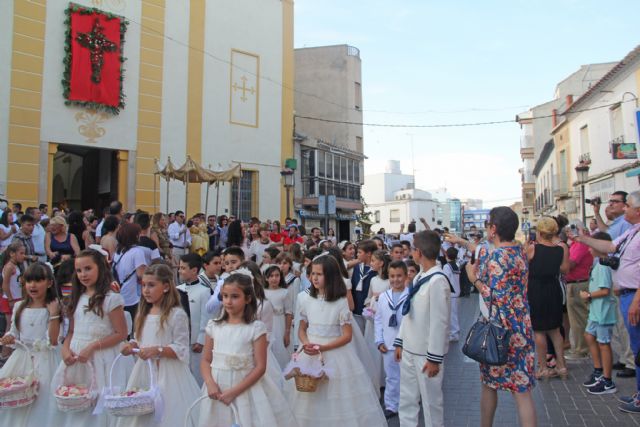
{"x": 243, "y": 88}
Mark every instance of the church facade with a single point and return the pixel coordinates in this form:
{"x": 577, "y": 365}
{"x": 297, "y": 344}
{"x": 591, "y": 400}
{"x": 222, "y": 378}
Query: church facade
{"x": 208, "y": 79}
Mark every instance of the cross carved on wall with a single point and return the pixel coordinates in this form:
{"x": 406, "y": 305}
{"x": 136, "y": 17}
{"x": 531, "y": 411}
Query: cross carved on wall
{"x": 98, "y": 44}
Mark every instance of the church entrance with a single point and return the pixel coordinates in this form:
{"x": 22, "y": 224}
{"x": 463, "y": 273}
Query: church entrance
{"x": 84, "y": 178}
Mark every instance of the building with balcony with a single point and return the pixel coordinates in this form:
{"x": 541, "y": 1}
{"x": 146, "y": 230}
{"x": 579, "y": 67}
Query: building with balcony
{"x": 328, "y": 82}
{"x": 602, "y": 128}
{"x": 393, "y": 200}
{"x": 541, "y": 158}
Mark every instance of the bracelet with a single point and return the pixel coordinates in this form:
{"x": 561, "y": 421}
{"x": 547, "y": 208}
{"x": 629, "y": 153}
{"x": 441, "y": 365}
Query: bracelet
{"x": 476, "y": 281}
{"x": 54, "y": 318}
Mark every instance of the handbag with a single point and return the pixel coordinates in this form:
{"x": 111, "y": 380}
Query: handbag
{"x": 488, "y": 341}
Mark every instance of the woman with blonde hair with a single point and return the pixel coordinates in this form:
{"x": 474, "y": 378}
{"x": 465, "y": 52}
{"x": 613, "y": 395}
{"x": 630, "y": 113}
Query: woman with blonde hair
{"x": 546, "y": 261}
{"x": 59, "y": 244}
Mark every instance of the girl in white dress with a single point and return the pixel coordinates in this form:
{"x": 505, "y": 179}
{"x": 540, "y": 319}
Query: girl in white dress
{"x": 348, "y": 397}
{"x": 380, "y": 261}
{"x": 292, "y": 283}
{"x": 234, "y": 363}
{"x": 96, "y": 330}
{"x": 162, "y": 333}
{"x": 12, "y": 260}
{"x": 279, "y": 297}
{"x": 36, "y": 323}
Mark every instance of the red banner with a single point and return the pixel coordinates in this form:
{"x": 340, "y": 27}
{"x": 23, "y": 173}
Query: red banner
{"x": 95, "y": 64}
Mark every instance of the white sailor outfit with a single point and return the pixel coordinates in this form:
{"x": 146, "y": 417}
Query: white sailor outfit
{"x": 387, "y": 324}
{"x": 424, "y": 336}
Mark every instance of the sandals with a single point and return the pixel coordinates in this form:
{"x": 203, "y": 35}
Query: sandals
{"x": 546, "y": 373}
{"x": 563, "y": 373}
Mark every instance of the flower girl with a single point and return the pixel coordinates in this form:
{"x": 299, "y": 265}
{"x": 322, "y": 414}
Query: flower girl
{"x": 325, "y": 330}
{"x": 277, "y": 293}
{"x": 234, "y": 363}
{"x": 96, "y": 330}
{"x": 162, "y": 333}
{"x": 36, "y": 323}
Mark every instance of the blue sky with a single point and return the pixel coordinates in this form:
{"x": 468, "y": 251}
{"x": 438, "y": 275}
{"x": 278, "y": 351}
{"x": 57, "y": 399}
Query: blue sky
{"x": 464, "y": 61}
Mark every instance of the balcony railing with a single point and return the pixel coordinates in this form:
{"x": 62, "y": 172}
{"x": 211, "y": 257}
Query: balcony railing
{"x": 526, "y": 141}
{"x": 585, "y": 158}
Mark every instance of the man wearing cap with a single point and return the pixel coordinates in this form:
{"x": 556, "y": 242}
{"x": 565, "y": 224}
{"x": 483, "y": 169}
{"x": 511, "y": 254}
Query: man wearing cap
{"x": 257, "y": 247}
{"x": 580, "y": 262}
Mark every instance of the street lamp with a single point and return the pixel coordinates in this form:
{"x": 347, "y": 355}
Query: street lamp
{"x": 582, "y": 172}
{"x": 287, "y": 176}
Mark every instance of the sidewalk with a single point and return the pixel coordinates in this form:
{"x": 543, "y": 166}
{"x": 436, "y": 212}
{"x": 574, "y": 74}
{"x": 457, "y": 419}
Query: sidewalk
{"x": 558, "y": 403}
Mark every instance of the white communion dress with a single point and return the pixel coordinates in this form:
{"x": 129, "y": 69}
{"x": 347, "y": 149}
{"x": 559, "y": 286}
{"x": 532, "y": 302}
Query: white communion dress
{"x": 376, "y": 287}
{"x": 348, "y": 397}
{"x": 88, "y": 328}
{"x": 263, "y": 404}
{"x": 178, "y": 387}
{"x": 281, "y": 302}
{"x": 34, "y": 333}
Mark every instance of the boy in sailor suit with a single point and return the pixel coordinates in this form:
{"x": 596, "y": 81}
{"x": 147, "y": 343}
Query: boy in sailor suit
{"x": 423, "y": 339}
{"x": 198, "y": 294}
{"x": 387, "y": 324}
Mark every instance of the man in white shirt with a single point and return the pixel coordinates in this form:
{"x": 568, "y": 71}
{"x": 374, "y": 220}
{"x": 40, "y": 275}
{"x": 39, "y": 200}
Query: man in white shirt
{"x": 115, "y": 209}
{"x": 179, "y": 236}
{"x": 38, "y": 234}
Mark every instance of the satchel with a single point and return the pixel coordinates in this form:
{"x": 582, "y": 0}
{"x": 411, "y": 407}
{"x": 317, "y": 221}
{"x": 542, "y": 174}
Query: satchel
{"x": 488, "y": 341}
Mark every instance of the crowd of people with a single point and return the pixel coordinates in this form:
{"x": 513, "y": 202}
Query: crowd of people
{"x": 240, "y": 312}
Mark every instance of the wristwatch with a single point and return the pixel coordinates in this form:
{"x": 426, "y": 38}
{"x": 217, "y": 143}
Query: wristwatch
{"x": 160, "y": 348}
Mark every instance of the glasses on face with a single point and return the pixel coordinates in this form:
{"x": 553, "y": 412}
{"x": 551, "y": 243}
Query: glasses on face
{"x": 611, "y": 202}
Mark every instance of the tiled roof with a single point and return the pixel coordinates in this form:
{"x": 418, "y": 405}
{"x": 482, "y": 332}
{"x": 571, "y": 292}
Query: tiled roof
{"x": 631, "y": 56}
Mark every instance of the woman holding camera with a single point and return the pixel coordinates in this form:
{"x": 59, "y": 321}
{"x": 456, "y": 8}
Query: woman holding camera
{"x": 546, "y": 261}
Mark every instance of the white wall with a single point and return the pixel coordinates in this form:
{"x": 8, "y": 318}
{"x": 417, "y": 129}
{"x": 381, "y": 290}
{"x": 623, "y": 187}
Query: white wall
{"x": 409, "y": 210}
{"x": 174, "y": 98}
{"x": 253, "y": 26}
{"x": 380, "y": 188}
{"x": 6, "y": 35}
{"x": 600, "y": 130}
{"x": 59, "y": 123}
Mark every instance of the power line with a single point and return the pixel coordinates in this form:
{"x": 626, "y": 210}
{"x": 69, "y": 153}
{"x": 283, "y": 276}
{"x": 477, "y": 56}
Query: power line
{"x": 450, "y": 125}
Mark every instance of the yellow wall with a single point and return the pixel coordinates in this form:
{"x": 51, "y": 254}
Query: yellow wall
{"x": 194, "y": 96}
{"x": 150, "y": 103}
{"x": 23, "y": 167}
{"x": 561, "y": 141}
{"x": 287, "y": 95}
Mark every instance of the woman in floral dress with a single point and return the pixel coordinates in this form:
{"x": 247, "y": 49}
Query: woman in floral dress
{"x": 501, "y": 276}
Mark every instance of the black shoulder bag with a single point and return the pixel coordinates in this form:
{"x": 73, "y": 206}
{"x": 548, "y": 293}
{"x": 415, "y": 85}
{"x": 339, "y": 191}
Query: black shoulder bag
{"x": 488, "y": 340}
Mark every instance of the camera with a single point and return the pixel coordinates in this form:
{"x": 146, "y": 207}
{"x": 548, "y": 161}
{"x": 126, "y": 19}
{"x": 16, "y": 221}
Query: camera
{"x": 594, "y": 201}
{"x": 613, "y": 262}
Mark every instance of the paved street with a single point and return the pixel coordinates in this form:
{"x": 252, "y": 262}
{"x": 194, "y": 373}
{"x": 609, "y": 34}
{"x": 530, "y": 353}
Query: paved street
{"x": 558, "y": 403}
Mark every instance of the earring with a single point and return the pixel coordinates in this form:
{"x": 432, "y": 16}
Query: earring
{"x": 166, "y": 290}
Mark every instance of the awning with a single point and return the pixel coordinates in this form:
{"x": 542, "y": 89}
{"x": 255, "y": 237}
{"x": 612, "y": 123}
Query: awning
{"x": 633, "y": 172}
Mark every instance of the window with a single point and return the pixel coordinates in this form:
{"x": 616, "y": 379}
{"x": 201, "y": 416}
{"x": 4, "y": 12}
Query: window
{"x": 584, "y": 140}
{"x": 356, "y": 172}
{"x": 329, "y": 165}
{"x": 358, "y": 94}
{"x": 245, "y": 204}
{"x": 394, "y": 215}
{"x": 321, "y": 163}
{"x": 343, "y": 170}
{"x": 376, "y": 215}
{"x": 616, "y": 121}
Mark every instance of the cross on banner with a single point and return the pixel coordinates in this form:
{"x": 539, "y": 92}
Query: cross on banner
{"x": 97, "y": 44}
{"x": 243, "y": 88}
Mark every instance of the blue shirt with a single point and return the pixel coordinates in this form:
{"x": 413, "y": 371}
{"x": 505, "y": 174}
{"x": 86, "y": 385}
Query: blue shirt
{"x": 602, "y": 310}
{"x": 618, "y": 227}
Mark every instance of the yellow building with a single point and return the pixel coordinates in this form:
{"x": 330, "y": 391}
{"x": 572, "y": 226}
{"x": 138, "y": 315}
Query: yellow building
{"x": 211, "y": 79}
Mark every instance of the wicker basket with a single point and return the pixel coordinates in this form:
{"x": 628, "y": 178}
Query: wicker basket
{"x": 81, "y": 402}
{"x": 308, "y": 383}
{"x": 188, "y": 421}
{"x": 23, "y": 394}
{"x": 142, "y": 403}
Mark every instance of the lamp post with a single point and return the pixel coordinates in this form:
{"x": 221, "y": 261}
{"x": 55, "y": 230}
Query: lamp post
{"x": 582, "y": 172}
{"x": 287, "y": 176}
